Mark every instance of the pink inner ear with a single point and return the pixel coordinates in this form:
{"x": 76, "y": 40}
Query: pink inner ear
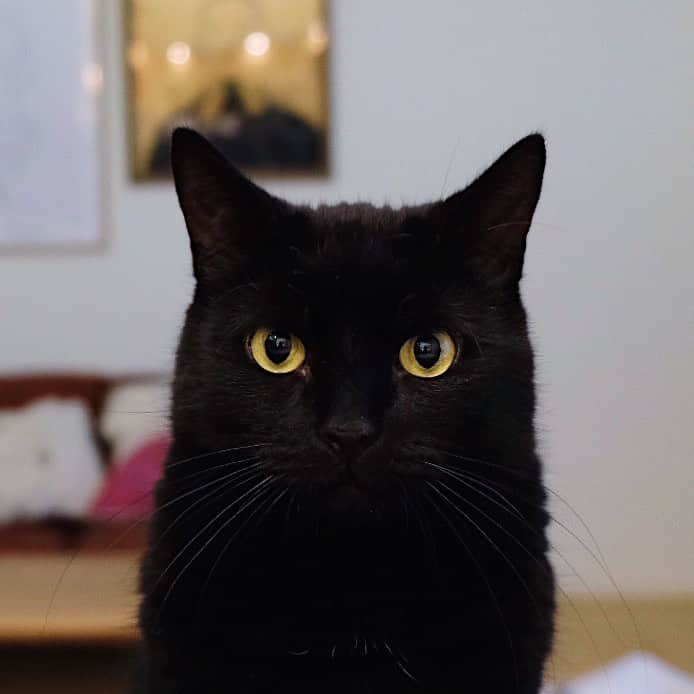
{"x": 127, "y": 491}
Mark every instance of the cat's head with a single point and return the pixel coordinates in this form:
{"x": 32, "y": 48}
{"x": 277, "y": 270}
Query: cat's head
{"x": 356, "y": 347}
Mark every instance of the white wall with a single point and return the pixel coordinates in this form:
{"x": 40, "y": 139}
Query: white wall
{"x": 609, "y": 273}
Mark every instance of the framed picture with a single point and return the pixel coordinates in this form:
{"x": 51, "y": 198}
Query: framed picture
{"x": 251, "y": 75}
{"x": 50, "y": 86}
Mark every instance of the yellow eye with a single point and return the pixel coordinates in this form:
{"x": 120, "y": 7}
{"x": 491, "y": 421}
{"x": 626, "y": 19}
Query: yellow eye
{"x": 276, "y": 351}
{"x": 428, "y": 356}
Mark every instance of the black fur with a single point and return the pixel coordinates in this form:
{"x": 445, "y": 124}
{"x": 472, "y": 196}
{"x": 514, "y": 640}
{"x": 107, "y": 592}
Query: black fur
{"x": 384, "y": 533}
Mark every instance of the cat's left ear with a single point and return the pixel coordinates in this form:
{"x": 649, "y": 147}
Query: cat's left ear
{"x": 492, "y": 216}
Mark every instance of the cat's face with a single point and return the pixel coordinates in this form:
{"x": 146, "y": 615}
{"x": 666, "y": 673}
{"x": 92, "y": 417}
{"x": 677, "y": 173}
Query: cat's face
{"x": 354, "y": 349}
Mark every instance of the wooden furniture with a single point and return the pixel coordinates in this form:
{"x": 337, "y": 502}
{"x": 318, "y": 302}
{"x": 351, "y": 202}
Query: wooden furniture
{"x": 63, "y": 581}
{"x": 69, "y": 584}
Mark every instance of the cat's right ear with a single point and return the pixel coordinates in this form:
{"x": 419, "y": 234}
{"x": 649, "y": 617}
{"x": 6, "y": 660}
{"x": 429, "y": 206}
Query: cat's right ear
{"x": 225, "y": 213}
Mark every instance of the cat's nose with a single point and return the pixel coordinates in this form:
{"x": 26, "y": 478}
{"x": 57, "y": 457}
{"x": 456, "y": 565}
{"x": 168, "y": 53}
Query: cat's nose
{"x": 348, "y": 436}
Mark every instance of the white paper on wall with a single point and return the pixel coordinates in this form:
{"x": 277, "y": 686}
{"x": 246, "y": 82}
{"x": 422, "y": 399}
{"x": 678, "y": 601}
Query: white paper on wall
{"x": 50, "y": 82}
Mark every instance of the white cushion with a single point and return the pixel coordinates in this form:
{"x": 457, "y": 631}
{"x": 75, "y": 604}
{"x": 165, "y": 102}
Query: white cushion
{"x": 49, "y": 463}
{"x": 134, "y": 413}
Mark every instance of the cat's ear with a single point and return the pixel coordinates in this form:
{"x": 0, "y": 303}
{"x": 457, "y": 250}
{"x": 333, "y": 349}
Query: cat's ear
{"x": 226, "y": 214}
{"x": 492, "y": 216}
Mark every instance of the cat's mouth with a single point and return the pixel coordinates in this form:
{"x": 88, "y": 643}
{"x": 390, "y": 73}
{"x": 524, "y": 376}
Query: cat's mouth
{"x": 349, "y": 485}
{"x": 355, "y": 492}
{"x": 350, "y": 476}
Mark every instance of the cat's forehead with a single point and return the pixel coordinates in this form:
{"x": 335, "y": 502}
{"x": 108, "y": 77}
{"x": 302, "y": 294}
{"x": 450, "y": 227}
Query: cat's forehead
{"x": 360, "y": 214}
{"x": 360, "y": 249}
{"x": 359, "y": 265}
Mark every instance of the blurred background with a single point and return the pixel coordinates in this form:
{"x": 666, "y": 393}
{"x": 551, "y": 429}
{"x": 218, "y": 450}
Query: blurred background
{"x": 396, "y": 102}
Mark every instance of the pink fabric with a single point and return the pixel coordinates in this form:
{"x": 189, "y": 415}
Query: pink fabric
{"x": 127, "y": 491}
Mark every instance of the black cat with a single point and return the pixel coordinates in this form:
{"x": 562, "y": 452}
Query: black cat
{"x": 353, "y": 501}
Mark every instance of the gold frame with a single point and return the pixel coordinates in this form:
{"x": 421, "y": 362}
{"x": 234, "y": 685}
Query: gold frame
{"x": 322, "y": 169}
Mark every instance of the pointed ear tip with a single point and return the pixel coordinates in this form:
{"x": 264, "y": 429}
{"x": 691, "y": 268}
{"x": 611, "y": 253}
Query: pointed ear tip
{"x": 539, "y": 141}
{"x": 188, "y": 147}
{"x": 534, "y": 144}
{"x": 182, "y": 136}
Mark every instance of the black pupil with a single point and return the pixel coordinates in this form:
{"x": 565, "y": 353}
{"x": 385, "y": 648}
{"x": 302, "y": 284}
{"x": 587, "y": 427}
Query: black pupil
{"x": 427, "y": 351}
{"x": 278, "y": 346}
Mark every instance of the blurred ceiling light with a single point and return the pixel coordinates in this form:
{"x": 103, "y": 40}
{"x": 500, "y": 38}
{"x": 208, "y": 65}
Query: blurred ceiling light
{"x": 138, "y": 54}
{"x": 257, "y": 44}
{"x": 92, "y": 78}
{"x": 178, "y": 53}
{"x": 317, "y": 37}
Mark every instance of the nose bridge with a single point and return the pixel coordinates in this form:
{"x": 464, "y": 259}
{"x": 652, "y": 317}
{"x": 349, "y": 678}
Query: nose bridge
{"x": 348, "y": 399}
{"x": 350, "y": 411}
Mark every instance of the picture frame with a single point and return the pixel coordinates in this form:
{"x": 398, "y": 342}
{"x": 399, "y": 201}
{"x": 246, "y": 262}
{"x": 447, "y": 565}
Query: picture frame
{"x": 250, "y": 75}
